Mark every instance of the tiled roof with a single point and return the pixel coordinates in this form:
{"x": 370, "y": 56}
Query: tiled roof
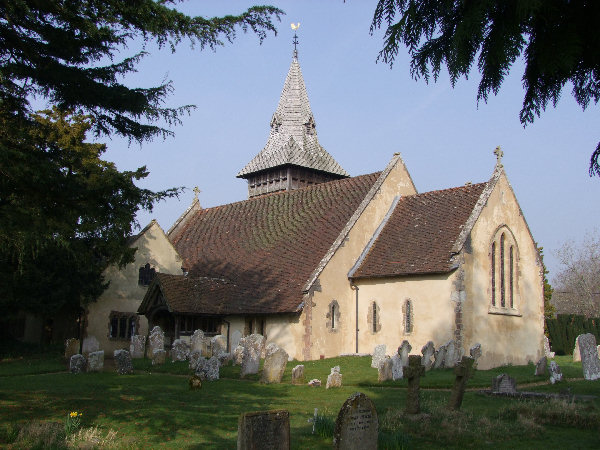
{"x": 267, "y": 247}
{"x": 293, "y": 137}
{"x": 420, "y": 233}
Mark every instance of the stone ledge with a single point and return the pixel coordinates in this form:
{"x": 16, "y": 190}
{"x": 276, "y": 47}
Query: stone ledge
{"x": 504, "y": 311}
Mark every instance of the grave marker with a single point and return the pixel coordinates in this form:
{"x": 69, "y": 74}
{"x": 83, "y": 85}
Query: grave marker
{"x": 357, "y": 424}
{"x": 264, "y": 430}
{"x": 589, "y": 356}
{"x": 413, "y": 373}
{"x": 463, "y": 371}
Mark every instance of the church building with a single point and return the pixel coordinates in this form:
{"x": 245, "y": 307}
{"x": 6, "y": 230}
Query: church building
{"x": 325, "y": 264}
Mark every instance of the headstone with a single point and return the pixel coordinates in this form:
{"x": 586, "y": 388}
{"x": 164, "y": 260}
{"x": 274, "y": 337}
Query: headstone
{"x": 238, "y": 355}
{"x": 195, "y": 383}
{"x": 413, "y": 373}
{"x": 218, "y": 344}
{"x": 235, "y": 339}
{"x": 504, "y": 384}
{"x": 438, "y": 357}
{"x": 137, "y": 348}
{"x": 123, "y": 361}
{"x": 159, "y": 357}
{"x": 589, "y": 356}
{"x": 195, "y": 356}
{"x": 157, "y": 339}
{"x": 274, "y": 366}
{"x": 264, "y": 430}
{"x": 404, "y": 351}
{"x": 555, "y": 372}
{"x": 357, "y": 424}
{"x": 598, "y": 351}
{"x": 253, "y": 347}
{"x": 576, "y": 354}
{"x": 396, "y": 367}
{"x": 270, "y": 348}
{"x": 224, "y": 358}
{"x": 77, "y": 363}
{"x": 540, "y": 367}
{"x": 180, "y": 350}
{"x": 95, "y": 361}
{"x": 378, "y": 356}
{"x": 547, "y": 351}
{"x": 451, "y": 354}
{"x": 314, "y": 382}
{"x": 334, "y": 379}
{"x": 475, "y": 352}
{"x": 427, "y": 351}
{"x": 90, "y": 344}
{"x": 298, "y": 374}
{"x": 197, "y": 342}
{"x": 385, "y": 370}
{"x": 463, "y": 371}
{"x": 71, "y": 348}
{"x": 208, "y": 369}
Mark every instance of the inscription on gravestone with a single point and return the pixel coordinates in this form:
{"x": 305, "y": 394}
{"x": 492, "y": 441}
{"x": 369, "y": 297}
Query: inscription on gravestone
{"x": 264, "y": 430}
{"x": 357, "y": 424}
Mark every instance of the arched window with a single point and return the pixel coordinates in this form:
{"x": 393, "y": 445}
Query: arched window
{"x": 502, "y": 274}
{"x": 493, "y": 274}
{"x": 408, "y": 316}
{"x": 333, "y": 316}
{"x": 503, "y": 269}
{"x": 333, "y": 307}
{"x": 374, "y": 317}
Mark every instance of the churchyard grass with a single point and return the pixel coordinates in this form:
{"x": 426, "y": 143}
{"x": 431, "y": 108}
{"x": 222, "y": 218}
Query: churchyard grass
{"x": 154, "y": 407}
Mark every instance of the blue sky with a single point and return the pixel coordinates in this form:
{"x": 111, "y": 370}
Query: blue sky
{"x": 364, "y": 112}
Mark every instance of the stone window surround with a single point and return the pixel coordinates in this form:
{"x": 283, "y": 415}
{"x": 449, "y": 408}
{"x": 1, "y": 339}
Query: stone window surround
{"x": 147, "y": 272}
{"x": 511, "y": 274}
{"x": 374, "y": 312}
{"x": 118, "y": 315}
{"x": 408, "y": 316}
{"x": 333, "y": 317}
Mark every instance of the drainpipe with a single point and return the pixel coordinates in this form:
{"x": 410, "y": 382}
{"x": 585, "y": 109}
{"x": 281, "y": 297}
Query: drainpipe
{"x": 355, "y": 288}
{"x": 228, "y": 327}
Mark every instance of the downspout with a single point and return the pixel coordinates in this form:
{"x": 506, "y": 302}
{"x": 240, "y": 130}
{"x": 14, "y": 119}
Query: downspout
{"x": 228, "y": 327}
{"x": 354, "y": 287}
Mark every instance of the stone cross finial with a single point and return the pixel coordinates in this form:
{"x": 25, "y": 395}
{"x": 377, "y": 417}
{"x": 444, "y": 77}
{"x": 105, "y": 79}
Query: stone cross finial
{"x": 295, "y": 41}
{"x": 196, "y": 192}
{"x": 413, "y": 373}
{"x": 499, "y": 154}
{"x": 463, "y": 371}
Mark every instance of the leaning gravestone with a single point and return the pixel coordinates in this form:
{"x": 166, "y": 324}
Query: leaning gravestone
{"x": 274, "y": 366}
{"x": 589, "y": 356}
{"x": 264, "y": 430}
{"x": 123, "y": 360}
{"x": 427, "y": 351}
{"x": 159, "y": 357}
{"x": 157, "y": 339}
{"x": 439, "y": 356}
{"x": 504, "y": 384}
{"x": 452, "y": 354}
{"x": 298, "y": 374}
{"x": 208, "y": 369}
{"x": 71, "y": 348}
{"x": 397, "y": 372}
{"x": 404, "y": 351}
{"x": 555, "y": 372}
{"x": 77, "y": 363}
{"x": 475, "y": 352}
{"x": 334, "y": 379}
{"x": 549, "y": 353}
{"x": 385, "y": 370}
{"x": 253, "y": 347}
{"x": 463, "y": 371}
{"x": 357, "y": 424}
{"x": 413, "y": 373}
{"x": 90, "y": 344}
{"x": 576, "y": 353}
{"x": 270, "y": 348}
{"x": 137, "y": 348}
{"x": 540, "y": 367}
{"x": 95, "y": 361}
{"x": 218, "y": 345}
{"x": 180, "y": 350}
{"x": 378, "y": 356}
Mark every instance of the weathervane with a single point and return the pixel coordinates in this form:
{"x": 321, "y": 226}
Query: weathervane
{"x": 295, "y": 41}
{"x": 499, "y": 154}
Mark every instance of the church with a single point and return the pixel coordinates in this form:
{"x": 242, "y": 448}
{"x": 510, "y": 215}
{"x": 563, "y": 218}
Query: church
{"x": 326, "y": 264}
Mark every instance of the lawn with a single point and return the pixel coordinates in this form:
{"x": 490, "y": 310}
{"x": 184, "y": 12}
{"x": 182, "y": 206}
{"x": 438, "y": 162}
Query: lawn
{"x": 155, "y": 408}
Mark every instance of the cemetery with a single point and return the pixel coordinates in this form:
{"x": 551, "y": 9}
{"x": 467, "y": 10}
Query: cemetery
{"x": 198, "y": 396}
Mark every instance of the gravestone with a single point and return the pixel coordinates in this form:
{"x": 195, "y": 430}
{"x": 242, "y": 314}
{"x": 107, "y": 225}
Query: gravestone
{"x": 274, "y": 366}
{"x": 197, "y": 343}
{"x": 123, "y": 362}
{"x": 235, "y": 339}
{"x": 385, "y": 370}
{"x": 357, "y": 424}
{"x": 475, "y": 352}
{"x": 238, "y": 355}
{"x": 224, "y": 358}
{"x": 315, "y": 382}
{"x": 264, "y": 430}
{"x": 589, "y": 356}
{"x": 439, "y": 357}
{"x": 270, "y": 348}
{"x": 396, "y": 367}
{"x": 334, "y": 379}
{"x": 95, "y": 361}
{"x": 298, "y": 374}
{"x": 463, "y": 371}
{"x": 547, "y": 351}
{"x": 555, "y": 372}
{"x": 180, "y": 350}
{"x": 157, "y": 339}
{"x": 159, "y": 356}
{"x": 576, "y": 354}
{"x": 137, "y": 348}
{"x": 378, "y": 356}
{"x": 218, "y": 345}
{"x": 540, "y": 367}
{"x": 413, "y": 373}
{"x": 77, "y": 363}
{"x": 253, "y": 347}
{"x": 427, "y": 351}
{"x": 404, "y": 351}
{"x": 504, "y": 384}
{"x": 452, "y": 354}
{"x": 195, "y": 356}
{"x": 90, "y": 344}
{"x": 71, "y": 348}
{"x": 208, "y": 369}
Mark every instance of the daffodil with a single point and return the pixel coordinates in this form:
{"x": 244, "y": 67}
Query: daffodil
{"x": 73, "y": 414}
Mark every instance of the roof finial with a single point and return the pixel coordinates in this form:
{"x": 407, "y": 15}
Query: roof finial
{"x": 196, "y": 192}
{"x": 499, "y": 154}
{"x": 295, "y": 26}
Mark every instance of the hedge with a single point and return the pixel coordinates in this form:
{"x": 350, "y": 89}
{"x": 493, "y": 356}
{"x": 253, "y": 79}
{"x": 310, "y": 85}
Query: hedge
{"x": 563, "y": 331}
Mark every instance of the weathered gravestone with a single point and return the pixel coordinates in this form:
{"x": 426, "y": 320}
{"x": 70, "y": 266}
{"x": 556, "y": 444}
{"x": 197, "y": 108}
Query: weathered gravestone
{"x": 439, "y": 356}
{"x": 504, "y": 384}
{"x": 137, "y": 348}
{"x": 195, "y": 356}
{"x": 452, "y": 354}
{"x": 218, "y": 345}
{"x": 264, "y": 430}
{"x": 123, "y": 361}
{"x": 334, "y": 379}
{"x": 159, "y": 356}
{"x": 397, "y": 367}
{"x": 315, "y": 382}
{"x": 540, "y": 367}
{"x": 298, "y": 374}
{"x": 180, "y": 350}
{"x": 404, "y": 351}
{"x": 270, "y": 348}
{"x": 77, "y": 363}
{"x": 555, "y": 372}
{"x": 378, "y": 356}
{"x": 476, "y": 352}
{"x": 427, "y": 351}
{"x": 238, "y": 355}
{"x": 357, "y": 424}
{"x": 253, "y": 347}
{"x": 90, "y": 344}
{"x": 71, "y": 348}
{"x": 463, "y": 371}
{"x": 413, "y": 373}
{"x": 274, "y": 366}
{"x": 547, "y": 351}
{"x": 589, "y": 356}
{"x": 385, "y": 370}
{"x": 198, "y": 343}
{"x": 208, "y": 369}
{"x": 157, "y": 339}
{"x": 95, "y": 361}
{"x": 235, "y": 339}
{"x": 576, "y": 354}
